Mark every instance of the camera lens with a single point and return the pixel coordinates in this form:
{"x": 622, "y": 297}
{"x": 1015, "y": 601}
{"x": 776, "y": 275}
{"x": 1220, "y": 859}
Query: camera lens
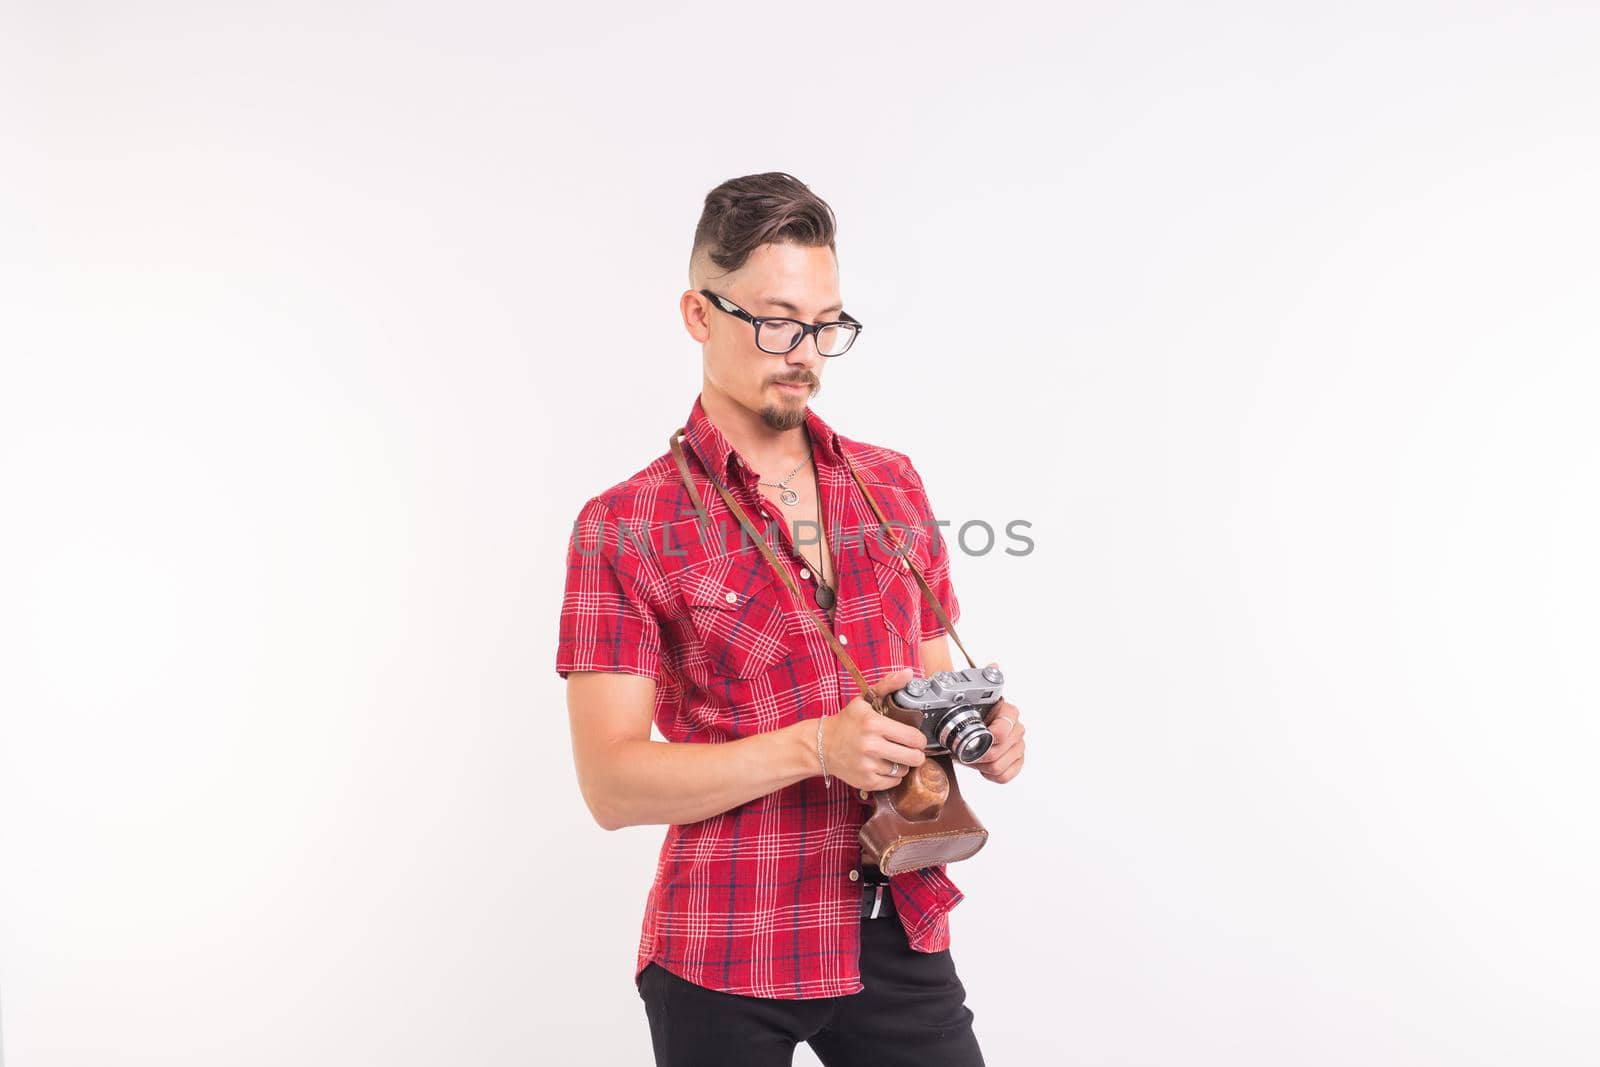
{"x": 963, "y": 732}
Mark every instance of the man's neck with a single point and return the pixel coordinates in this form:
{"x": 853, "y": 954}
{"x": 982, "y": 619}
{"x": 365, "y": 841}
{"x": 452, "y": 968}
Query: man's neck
{"x": 765, "y": 449}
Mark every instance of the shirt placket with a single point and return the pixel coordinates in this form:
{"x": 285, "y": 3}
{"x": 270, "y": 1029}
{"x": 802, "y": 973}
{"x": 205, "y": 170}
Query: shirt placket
{"x": 836, "y": 515}
{"x": 799, "y": 568}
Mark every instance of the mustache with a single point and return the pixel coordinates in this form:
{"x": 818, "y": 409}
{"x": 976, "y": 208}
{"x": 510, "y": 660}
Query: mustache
{"x": 806, "y": 378}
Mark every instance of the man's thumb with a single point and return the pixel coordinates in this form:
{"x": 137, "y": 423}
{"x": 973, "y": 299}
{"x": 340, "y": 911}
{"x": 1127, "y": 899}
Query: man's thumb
{"x": 892, "y": 681}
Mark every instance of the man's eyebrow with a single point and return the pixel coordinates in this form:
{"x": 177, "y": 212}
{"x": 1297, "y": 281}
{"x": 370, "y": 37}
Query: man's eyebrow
{"x": 791, "y": 307}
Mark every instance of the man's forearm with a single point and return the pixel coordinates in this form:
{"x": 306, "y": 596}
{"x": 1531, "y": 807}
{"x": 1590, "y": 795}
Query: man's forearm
{"x": 651, "y": 782}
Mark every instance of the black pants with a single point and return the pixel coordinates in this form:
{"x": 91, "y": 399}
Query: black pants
{"x": 912, "y": 1013}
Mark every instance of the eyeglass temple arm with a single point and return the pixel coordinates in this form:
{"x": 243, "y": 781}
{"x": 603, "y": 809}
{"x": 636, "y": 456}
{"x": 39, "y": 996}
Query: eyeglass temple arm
{"x": 735, "y": 309}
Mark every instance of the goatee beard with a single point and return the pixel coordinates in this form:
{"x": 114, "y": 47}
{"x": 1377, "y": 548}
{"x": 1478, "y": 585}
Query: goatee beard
{"x": 783, "y": 418}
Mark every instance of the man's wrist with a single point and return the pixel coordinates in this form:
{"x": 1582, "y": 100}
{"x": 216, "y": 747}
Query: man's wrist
{"x": 803, "y": 735}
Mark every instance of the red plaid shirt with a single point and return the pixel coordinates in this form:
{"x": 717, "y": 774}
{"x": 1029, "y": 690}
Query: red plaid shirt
{"x": 758, "y": 900}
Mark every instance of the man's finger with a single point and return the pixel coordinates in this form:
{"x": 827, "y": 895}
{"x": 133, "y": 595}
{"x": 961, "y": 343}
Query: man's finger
{"x": 997, "y": 750}
{"x": 1007, "y": 732}
{"x": 900, "y": 733}
{"x": 1008, "y": 761}
{"x": 1005, "y": 776}
{"x": 905, "y": 755}
{"x": 1003, "y": 710}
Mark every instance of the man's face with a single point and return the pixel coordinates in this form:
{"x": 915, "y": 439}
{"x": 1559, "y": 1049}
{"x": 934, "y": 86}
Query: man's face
{"x": 778, "y": 279}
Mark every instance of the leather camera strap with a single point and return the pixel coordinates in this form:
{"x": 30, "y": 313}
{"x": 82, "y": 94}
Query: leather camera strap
{"x": 783, "y": 572}
{"x": 760, "y": 542}
{"x": 905, "y": 554}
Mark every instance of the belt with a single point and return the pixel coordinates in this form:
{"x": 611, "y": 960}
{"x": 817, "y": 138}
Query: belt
{"x": 877, "y": 901}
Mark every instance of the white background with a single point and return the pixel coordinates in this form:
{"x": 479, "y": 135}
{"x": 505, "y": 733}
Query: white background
{"x": 319, "y": 323}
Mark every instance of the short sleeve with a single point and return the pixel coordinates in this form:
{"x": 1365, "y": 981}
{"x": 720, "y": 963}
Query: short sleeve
{"x": 938, "y": 570}
{"x": 607, "y": 623}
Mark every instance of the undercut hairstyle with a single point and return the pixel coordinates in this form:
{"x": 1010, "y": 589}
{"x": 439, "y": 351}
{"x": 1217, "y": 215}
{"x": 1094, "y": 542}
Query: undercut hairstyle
{"x": 742, "y": 214}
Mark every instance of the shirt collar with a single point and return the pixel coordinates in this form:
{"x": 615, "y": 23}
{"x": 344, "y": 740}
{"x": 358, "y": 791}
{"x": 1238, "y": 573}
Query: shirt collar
{"x": 719, "y": 456}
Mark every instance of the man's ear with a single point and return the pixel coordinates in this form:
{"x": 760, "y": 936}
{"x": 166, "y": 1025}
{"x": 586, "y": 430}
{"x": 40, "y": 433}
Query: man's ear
{"x": 695, "y": 316}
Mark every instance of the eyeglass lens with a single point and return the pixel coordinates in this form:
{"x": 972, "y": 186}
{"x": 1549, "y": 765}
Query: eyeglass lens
{"x": 782, "y": 335}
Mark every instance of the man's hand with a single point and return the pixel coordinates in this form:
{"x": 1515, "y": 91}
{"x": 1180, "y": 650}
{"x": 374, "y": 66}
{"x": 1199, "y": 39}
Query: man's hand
{"x": 1003, "y": 761}
{"x": 861, "y": 745}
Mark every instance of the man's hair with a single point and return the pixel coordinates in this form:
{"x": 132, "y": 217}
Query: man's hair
{"x": 742, "y": 214}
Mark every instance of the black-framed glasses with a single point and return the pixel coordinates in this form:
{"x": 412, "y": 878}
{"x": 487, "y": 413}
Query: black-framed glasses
{"x": 779, "y": 336}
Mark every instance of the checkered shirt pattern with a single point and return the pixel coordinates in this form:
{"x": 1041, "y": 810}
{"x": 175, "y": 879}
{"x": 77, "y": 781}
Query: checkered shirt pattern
{"x": 758, "y": 900}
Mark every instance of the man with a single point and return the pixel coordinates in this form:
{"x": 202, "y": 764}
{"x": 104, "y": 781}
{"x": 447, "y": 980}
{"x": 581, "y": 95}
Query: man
{"x": 763, "y": 927}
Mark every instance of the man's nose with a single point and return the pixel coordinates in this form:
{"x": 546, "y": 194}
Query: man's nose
{"x": 805, "y": 354}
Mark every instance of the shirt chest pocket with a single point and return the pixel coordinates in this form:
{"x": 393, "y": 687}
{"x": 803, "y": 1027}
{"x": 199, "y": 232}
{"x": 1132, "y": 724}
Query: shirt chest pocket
{"x": 738, "y": 608}
{"x": 893, "y": 554}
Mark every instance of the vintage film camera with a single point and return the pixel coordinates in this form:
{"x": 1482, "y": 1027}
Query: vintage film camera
{"x": 955, "y": 707}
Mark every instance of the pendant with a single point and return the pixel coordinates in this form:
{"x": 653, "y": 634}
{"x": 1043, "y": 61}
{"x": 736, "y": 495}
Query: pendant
{"x": 789, "y": 497}
{"x": 824, "y": 597}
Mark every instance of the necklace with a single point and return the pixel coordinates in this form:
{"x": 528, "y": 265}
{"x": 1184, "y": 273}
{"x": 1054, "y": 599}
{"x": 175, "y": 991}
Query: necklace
{"x": 789, "y": 497}
{"x": 823, "y": 594}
